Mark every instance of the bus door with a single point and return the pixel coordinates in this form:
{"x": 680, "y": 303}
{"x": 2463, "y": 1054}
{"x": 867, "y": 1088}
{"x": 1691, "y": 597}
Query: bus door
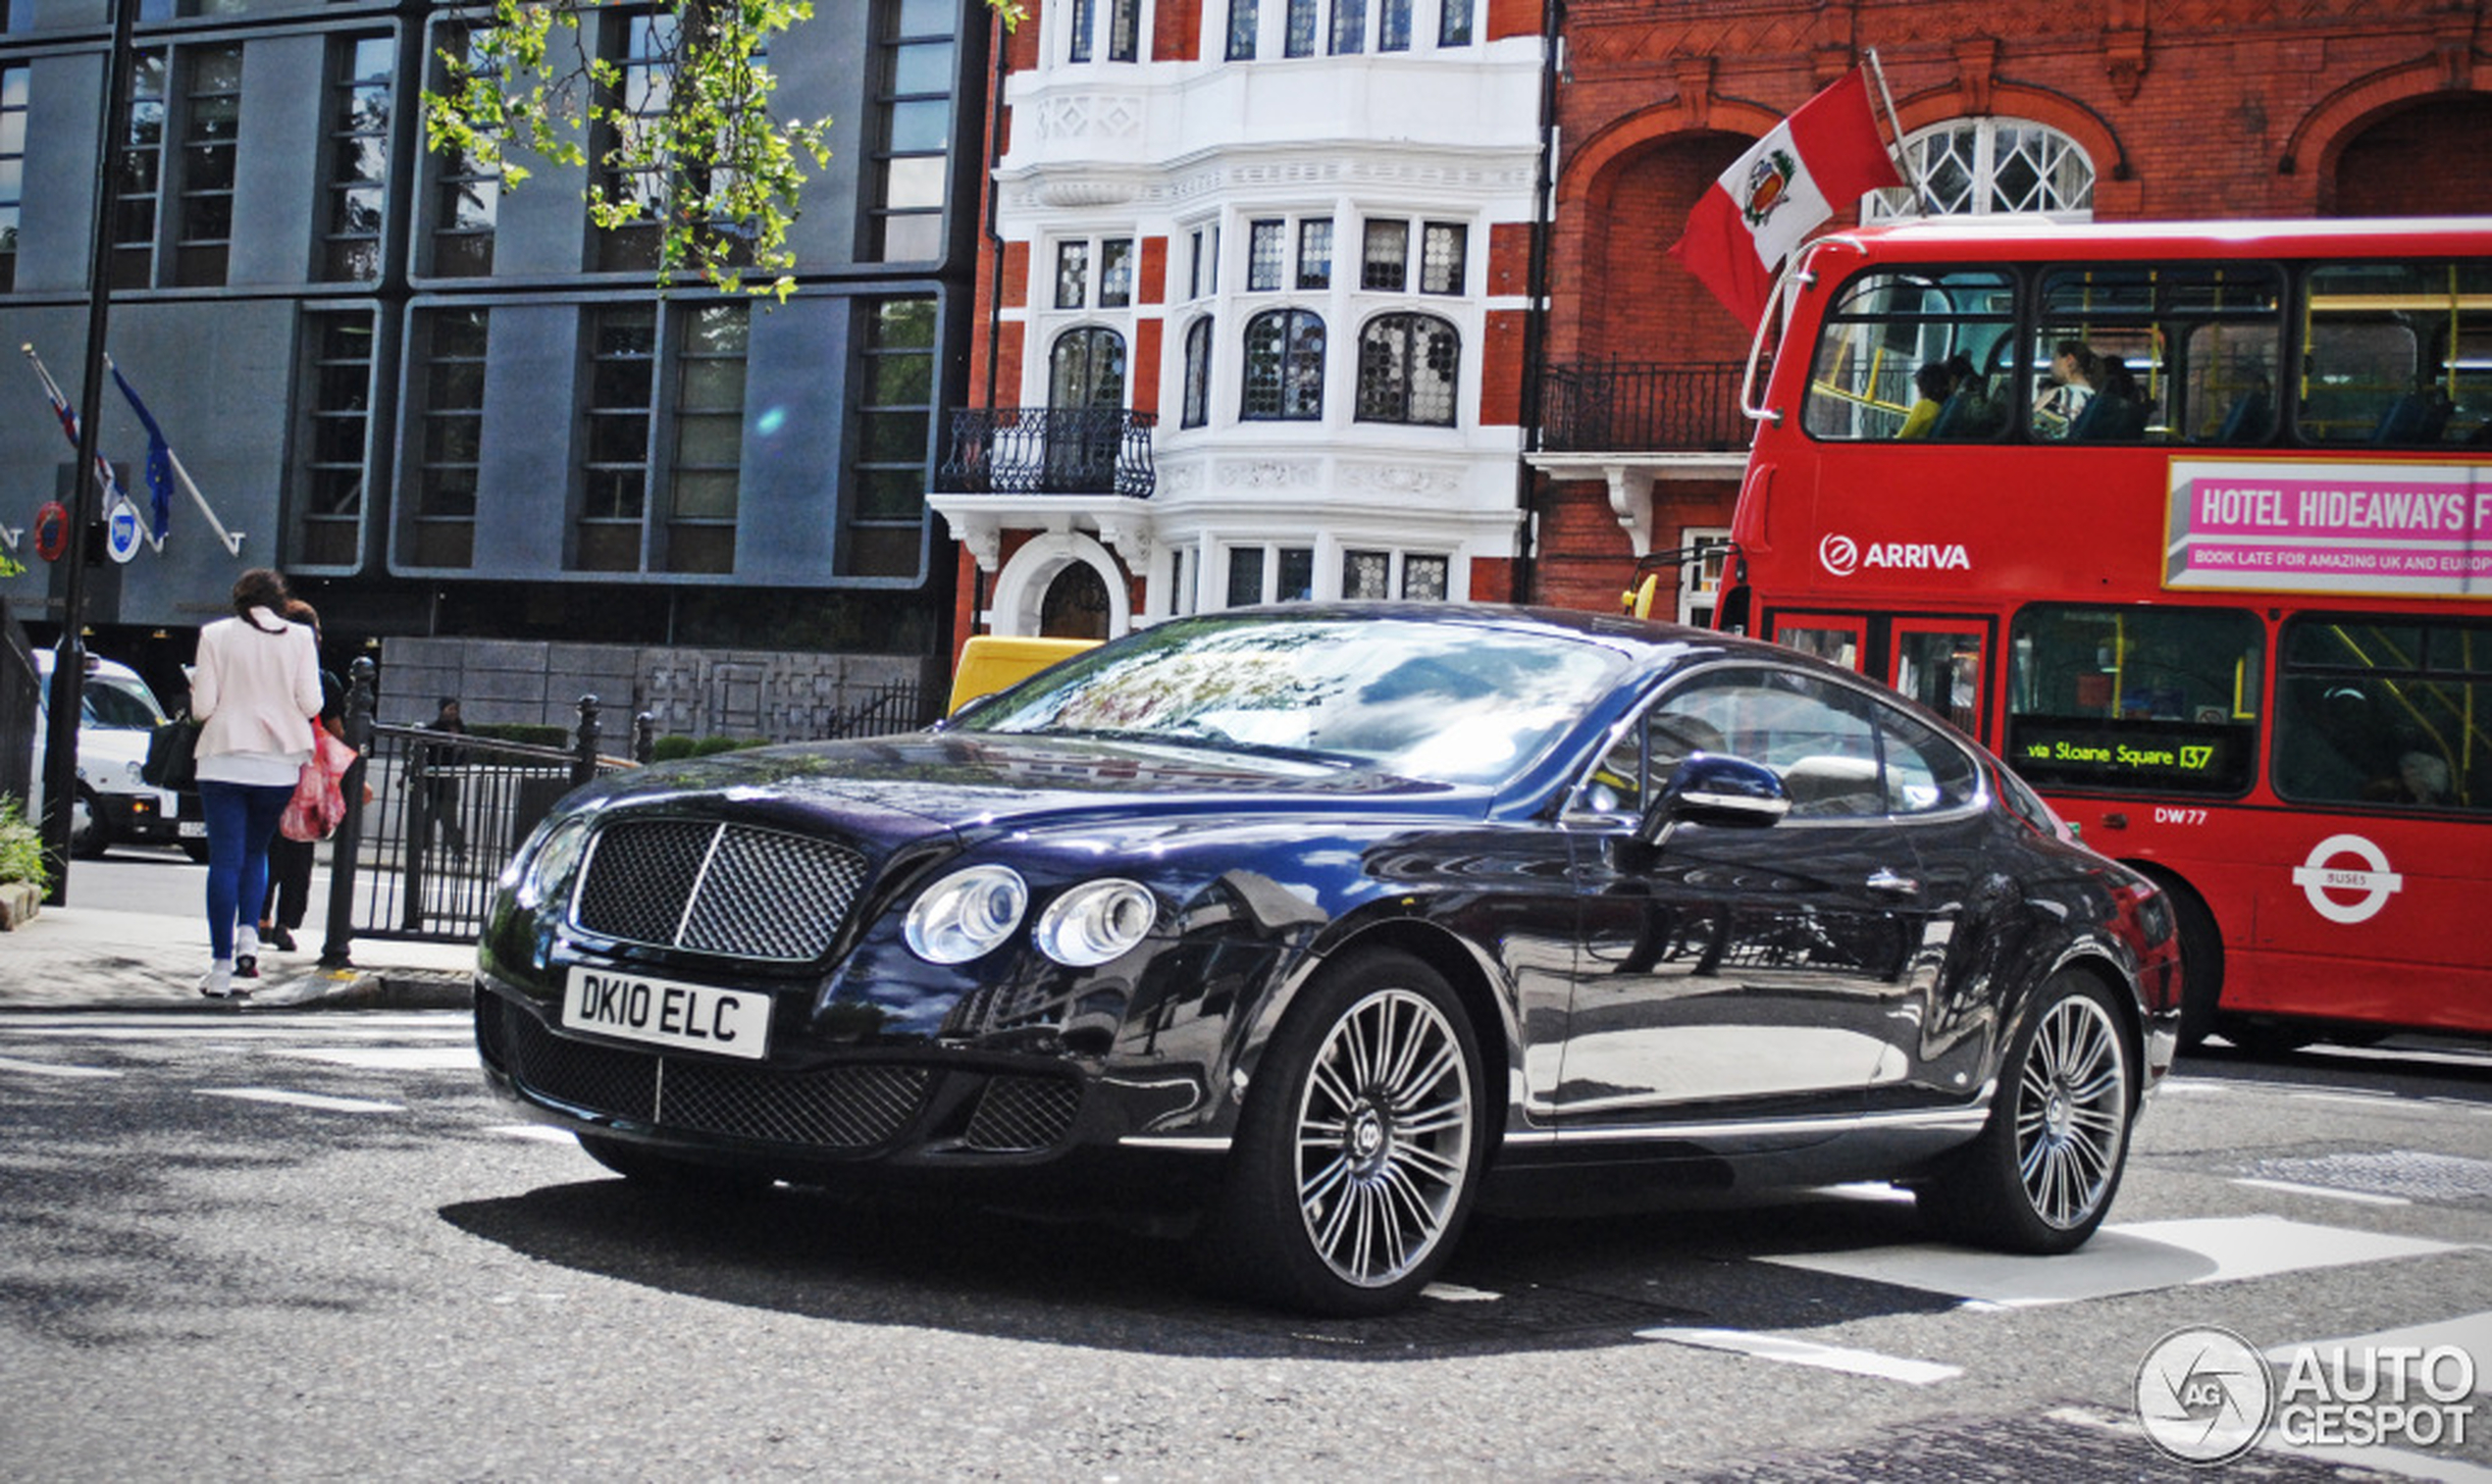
{"x": 1938, "y": 662}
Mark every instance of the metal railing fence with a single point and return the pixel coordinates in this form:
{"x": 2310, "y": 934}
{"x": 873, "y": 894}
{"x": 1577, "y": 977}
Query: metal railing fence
{"x": 423, "y": 856}
{"x": 1642, "y": 407}
{"x": 1050, "y": 451}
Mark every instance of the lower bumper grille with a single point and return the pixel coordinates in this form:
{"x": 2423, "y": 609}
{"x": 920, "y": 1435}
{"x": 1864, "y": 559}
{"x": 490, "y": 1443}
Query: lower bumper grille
{"x": 843, "y": 1107}
{"x": 1021, "y": 1114}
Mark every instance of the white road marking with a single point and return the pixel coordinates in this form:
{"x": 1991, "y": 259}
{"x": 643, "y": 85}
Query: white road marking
{"x": 1771, "y": 1347}
{"x": 302, "y": 1099}
{"x": 540, "y": 1133}
{"x": 392, "y": 1059}
{"x": 2134, "y": 1258}
{"x": 1455, "y": 1293}
{"x": 2323, "y": 1192}
{"x": 53, "y": 1068}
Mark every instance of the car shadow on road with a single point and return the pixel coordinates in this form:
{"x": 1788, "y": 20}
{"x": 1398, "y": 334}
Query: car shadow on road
{"x": 1517, "y": 1283}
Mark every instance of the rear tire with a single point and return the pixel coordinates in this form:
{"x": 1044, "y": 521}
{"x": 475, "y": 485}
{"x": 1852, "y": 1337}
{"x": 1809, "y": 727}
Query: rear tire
{"x": 1361, "y": 1148}
{"x": 2041, "y": 1174}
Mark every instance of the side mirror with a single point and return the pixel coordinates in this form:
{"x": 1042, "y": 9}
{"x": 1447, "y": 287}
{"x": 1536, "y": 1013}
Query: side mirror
{"x": 1709, "y": 788}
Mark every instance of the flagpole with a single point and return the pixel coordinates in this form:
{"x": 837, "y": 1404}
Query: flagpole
{"x": 1896, "y": 152}
{"x": 69, "y": 654}
{"x": 233, "y": 539}
{"x": 106, "y": 485}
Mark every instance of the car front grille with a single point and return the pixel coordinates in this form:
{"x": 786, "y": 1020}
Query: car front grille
{"x": 723, "y": 888}
{"x": 840, "y": 1107}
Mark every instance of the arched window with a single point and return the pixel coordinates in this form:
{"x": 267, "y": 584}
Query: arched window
{"x": 1197, "y": 408}
{"x": 1408, "y": 367}
{"x": 1991, "y": 167}
{"x": 1285, "y": 366}
{"x": 1086, "y": 369}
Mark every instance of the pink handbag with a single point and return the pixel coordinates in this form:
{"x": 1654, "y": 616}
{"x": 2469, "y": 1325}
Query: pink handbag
{"x": 318, "y": 803}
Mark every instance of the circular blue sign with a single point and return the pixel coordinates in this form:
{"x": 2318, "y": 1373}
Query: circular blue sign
{"x": 122, "y": 532}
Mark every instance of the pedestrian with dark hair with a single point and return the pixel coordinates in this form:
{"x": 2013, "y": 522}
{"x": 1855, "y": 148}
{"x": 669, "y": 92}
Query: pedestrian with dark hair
{"x": 289, "y": 860}
{"x": 441, "y": 785}
{"x": 254, "y": 690}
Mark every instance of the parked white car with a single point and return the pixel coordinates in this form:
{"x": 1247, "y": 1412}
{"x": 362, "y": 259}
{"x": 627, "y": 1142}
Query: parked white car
{"x": 117, "y": 713}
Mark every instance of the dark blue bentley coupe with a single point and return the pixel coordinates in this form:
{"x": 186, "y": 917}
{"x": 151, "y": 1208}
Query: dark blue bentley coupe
{"x": 1299, "y": 925}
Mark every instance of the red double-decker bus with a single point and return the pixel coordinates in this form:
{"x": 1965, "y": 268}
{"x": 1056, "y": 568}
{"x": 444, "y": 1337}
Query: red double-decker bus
{"x": 2192, "y": 522}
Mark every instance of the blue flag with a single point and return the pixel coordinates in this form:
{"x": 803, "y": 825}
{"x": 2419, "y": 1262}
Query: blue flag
{"x": 159, "y": 460}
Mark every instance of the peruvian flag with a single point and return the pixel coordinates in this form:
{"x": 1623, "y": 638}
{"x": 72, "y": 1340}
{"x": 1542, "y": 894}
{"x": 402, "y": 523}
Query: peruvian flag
{"x": 1827, "y": 152}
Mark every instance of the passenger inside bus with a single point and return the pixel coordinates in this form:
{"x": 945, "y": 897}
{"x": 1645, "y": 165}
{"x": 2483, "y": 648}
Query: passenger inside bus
{"x": 2422, "y": 779}
{"x": 1968, "y": 412}
{"x": 1935, "y": 384}
{"x": 2074, "y": 369}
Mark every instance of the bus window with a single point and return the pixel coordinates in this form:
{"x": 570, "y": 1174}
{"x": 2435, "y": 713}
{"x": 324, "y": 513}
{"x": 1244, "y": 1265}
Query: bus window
{"x": 1940, "y": 665}
{"x": 2395, "y": 712}
{"x": 1838, "y": 640}
{"x": 2396, "y": 353}
{"x": 2159, "y": 699}
{"x": 2139, "y": 353}
{"x": 1883, "y": 327}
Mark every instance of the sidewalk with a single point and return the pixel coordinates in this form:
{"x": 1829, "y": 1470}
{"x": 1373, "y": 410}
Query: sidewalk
{"x": 94, "y": 958}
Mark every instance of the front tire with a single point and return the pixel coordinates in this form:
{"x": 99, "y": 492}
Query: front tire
{"x": 2041, "y": 1174}
{"x": 1361, "y": 1148}
{"x": 89, "y": 836}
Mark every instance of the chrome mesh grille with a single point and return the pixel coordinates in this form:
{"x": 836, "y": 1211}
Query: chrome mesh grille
{"x": 1022, "y": 1113}
{"x": 841, "y": 1107}
{"x": 754, "y": 893}
{"x": 600, "y": 1079}
{"x": 837, "y": 1107}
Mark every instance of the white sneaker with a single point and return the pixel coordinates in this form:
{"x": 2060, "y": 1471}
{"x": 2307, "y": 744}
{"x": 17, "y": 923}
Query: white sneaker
{"x": 219, "y": 982}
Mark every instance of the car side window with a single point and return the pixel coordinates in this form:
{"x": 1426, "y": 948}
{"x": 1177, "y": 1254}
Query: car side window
{"x": 1925, "y": 772}
{"x": 1819, "y": 739}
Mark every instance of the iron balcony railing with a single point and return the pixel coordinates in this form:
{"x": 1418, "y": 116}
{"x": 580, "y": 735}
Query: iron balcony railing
{"x": 1642, "y": 407}
{"x": 1050, "y": 451}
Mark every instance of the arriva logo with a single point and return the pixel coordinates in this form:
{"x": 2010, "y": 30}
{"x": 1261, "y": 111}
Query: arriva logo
{"x": 1842, "y": 556}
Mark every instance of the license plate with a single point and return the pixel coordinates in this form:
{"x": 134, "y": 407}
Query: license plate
{"x": 194, "y": 829}
{"x": 668, "y": 1012}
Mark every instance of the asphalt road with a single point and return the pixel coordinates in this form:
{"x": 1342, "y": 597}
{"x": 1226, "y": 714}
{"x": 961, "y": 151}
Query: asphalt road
{"x": 312, "y": 1248}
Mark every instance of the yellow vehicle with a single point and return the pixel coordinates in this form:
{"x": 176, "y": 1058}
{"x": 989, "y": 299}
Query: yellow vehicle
{"x": 989, "y": 662}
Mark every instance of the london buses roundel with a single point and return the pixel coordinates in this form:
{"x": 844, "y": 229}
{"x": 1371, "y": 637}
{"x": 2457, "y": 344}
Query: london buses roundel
{"x": 2347, "y": 879}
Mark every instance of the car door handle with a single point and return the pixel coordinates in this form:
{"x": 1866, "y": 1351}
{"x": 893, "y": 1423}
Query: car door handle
{"x": 1892, "y": 884}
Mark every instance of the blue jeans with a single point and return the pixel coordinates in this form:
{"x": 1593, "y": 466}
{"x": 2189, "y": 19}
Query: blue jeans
{"x": 241, "y": 817}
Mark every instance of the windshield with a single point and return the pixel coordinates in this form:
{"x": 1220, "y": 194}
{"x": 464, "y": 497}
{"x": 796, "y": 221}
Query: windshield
{"x": 115, "y": 703}
{"x": 1434, "y": 701}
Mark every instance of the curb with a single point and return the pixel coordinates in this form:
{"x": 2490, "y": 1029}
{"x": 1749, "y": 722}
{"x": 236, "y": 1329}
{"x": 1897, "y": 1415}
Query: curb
{"x": 351, "y": 989}
{"x": 346, "y": 988}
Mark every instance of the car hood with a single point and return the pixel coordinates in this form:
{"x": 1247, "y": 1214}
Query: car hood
{"x": 970, "y": 781}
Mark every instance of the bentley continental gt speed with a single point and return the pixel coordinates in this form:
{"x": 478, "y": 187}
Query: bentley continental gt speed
{"x": 1292, "y": 928}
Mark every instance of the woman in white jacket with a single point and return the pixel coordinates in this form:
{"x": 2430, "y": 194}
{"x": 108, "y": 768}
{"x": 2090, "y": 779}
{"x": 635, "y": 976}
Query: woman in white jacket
{"x": 254, "y": 691}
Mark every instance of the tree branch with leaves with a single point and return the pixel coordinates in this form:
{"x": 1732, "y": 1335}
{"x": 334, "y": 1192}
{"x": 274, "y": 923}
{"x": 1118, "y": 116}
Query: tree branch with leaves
{"x": 679, "y": 137}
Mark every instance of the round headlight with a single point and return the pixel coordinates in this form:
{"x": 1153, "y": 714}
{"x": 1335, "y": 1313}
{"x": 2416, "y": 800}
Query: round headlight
{"x": 135, "y": 781}
{"x": 967, "y": 914}
{"x": 1096, "y": 921}
{"x": 545, "y": 873}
